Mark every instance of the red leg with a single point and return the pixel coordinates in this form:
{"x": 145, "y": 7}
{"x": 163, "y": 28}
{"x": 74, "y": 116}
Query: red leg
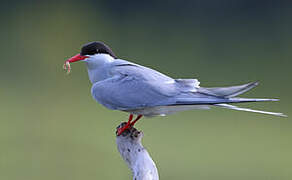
{"x": 138, "y": 117}
{"x": 130, "y": 118}
{"x": 129, "y": 124}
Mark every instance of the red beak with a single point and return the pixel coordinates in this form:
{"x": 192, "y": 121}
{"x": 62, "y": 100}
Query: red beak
{"x": 77, "y": 57}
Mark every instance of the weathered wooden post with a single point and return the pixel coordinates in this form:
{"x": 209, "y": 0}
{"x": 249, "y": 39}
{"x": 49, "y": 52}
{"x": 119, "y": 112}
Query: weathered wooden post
{"x": 135, "y": 155}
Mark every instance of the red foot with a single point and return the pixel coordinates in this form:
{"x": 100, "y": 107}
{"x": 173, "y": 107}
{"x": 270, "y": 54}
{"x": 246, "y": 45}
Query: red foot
{"x": 129, "y": 124}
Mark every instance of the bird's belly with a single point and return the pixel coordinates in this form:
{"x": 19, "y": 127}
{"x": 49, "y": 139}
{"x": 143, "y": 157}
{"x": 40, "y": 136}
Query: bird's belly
{"x": 165, "y": 110}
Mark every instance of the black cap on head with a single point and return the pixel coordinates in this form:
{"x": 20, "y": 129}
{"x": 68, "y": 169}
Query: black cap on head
{"x": 96, "y": 48}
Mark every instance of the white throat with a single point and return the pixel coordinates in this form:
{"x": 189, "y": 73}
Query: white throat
{"x": 96, "y": 66}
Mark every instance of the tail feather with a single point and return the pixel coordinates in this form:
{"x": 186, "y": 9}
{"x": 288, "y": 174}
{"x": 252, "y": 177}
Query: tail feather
{"x": 239, "y": 100}
{"x": 214, "y": 100}
{"x": 228, "y": 106}
{"x": 228, "y": 92}
{"x": 224, "y": 97}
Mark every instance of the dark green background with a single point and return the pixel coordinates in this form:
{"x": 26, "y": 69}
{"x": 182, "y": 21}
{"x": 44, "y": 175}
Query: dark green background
{"x": 51, "y": 128}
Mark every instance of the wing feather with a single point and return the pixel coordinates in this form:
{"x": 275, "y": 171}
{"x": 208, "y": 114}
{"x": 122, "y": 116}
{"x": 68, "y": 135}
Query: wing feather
{"x": 133, "y": 86}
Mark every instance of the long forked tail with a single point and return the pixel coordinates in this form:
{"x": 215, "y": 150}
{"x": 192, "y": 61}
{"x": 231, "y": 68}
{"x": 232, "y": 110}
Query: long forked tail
{"x": 228, "y": 106}
{"x": 230, "y": 94}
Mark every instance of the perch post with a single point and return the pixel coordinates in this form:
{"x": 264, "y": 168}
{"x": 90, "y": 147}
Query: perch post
{"x": 135, "y": 155}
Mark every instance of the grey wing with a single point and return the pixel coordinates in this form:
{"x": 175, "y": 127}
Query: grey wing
{"x": 133, "y": 86}
{"x": 162, "y": 83}
{"x": 124, "y": 92}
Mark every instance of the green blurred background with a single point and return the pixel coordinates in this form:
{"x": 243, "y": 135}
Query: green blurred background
{"x": 51, "y": 128}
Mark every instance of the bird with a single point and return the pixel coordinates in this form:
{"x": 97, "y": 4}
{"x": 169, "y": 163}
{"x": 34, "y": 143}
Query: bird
{"x": 122, "y": 85}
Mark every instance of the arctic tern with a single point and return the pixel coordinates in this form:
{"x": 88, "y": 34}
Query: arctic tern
{"x": 122, "y": 85}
